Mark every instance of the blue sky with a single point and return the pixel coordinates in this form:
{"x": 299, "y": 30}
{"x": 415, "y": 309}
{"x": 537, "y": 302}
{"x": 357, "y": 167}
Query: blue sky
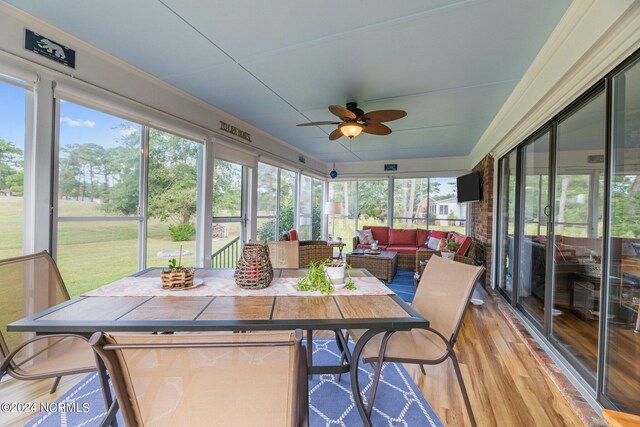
{"x": 78, "y": 124}
{"x": 12, "y": 113}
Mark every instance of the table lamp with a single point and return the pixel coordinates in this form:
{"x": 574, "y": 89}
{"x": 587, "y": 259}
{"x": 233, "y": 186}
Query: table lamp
{"x": 333, "y": 209}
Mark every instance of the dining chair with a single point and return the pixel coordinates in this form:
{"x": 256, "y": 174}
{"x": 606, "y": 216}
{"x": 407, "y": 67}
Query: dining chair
{"x": 442, "y": 298}
{"x": 206, "y": 379}
{"x": 284, "y": 254}
{"x": 29, "y": 284}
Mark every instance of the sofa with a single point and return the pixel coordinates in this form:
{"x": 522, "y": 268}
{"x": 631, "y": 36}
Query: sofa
{"x": 406, "y": 242}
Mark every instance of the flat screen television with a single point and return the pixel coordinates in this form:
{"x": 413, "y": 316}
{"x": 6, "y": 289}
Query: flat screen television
{"x": 469, "y": 187}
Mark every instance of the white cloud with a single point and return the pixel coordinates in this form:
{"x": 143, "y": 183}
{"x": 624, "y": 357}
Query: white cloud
{"x": 78, "y": 123}
{"x": 126, "y": 131}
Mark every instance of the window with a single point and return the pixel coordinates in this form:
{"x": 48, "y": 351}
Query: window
{"x": 428, "y": 203}
{"x": 373, "y": 202}
{"x": 310, "y": 208}
{"x": 276, "y": 201}
{"x": 362, "y": 202}
{"x": 12, "y": 139}
{"x": 228, "y": 212}
{"x": 173, "y": 199}
{"x": 267, "y": 202}
{"x": 99, "y": 215}
{"x": 103, "y": 211}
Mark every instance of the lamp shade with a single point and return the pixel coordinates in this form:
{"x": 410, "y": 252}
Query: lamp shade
{"x": 350, "y": 129}
{"x": 332, "y": 208}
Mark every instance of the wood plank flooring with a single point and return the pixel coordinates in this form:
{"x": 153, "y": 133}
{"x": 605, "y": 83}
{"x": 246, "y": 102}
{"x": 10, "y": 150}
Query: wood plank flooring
{"x": 506, "y": 385}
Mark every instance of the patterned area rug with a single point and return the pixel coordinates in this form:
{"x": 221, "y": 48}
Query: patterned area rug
{"x": 398, "y": 401}
{"x": 403, "y": 285}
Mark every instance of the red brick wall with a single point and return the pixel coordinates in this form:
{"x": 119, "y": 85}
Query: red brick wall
{"x": 482, "y": 218}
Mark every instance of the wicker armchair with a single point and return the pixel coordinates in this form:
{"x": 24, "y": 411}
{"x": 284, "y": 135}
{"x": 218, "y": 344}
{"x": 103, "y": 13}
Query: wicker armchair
{"x": 313, "y": 250}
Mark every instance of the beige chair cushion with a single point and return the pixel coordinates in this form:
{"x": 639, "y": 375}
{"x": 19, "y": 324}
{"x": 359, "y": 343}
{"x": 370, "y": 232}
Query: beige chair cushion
{"x": 444, "y": 291}
{"x": 229, "y": 386}
{"x": 284, "y": 254}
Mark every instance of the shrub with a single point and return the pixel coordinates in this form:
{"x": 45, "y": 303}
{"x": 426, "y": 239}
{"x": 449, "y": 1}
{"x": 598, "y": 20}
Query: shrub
{"x": 182, "y": 232}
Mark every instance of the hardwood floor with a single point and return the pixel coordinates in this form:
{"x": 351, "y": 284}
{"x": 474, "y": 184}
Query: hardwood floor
{"x": 505, "y": 383}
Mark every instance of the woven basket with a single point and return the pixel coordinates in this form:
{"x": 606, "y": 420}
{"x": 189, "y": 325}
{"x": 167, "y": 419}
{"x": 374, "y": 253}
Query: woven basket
{"x": 254, "y": 270}
{"x": 172, "y": 279}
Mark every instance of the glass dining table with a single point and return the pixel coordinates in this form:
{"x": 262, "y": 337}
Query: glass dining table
{"x": 138, "y": 304}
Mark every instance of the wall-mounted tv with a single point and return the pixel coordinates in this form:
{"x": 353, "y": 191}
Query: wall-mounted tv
{"x": 469, "y": 187}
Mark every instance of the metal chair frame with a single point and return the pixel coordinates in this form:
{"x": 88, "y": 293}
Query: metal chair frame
{"x": 377, "y": 362}
{"x": 7, "y": 366}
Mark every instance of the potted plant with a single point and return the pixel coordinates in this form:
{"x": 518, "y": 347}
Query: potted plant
{"x": 325, "y": 276}
{"x": 449, "y": 250}
{"x": 177, "y": 276}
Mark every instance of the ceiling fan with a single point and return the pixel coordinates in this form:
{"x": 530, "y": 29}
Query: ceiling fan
{"x": 354, "y": 121}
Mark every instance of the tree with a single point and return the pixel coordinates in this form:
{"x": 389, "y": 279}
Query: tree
{"x": 10, "y": 162}
{"x": 172, "y": 178}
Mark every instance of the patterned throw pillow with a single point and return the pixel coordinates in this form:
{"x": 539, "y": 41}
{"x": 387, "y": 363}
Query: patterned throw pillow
{"x": 365, "y": 237}
{"x": 442, "y": 245}
{"x": 433, "y": 243}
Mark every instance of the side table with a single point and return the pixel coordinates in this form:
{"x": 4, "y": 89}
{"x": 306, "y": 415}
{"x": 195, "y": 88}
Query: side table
{"x": 340, "y": 247}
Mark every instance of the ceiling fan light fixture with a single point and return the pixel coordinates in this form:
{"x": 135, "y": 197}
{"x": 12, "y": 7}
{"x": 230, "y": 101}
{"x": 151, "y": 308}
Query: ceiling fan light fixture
{"x": 351, "y": 129}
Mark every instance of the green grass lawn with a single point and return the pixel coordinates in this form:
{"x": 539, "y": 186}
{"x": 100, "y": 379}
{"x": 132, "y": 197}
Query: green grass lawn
{"x": 92, "y": 254}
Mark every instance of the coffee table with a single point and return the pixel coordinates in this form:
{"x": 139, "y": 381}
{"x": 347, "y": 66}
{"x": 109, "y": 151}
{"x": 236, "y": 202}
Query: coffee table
{"x": 383, "y": 266}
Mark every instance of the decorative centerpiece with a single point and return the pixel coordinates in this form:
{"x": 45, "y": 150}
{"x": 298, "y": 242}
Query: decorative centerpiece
{"x": 177, "y": 276}
{"x": 449, "y": 250}
{"x": 326, "y": 276}
{"x": 374, "y": 247}
{"x": 254, "y": 270}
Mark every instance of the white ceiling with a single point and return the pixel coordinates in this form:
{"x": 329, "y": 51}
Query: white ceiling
{"x": 450, "y": 64}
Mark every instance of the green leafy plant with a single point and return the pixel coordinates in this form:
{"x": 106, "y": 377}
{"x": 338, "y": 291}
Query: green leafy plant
{"x": 176, "y": 266}
{"x": 182, "y": 232}
{"x": 316, "y": 278}
{"x": 450, "y": 245}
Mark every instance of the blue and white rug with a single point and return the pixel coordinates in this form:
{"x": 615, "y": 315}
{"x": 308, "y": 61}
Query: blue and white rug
{"x": 398, "y": 400}
{"x": 402, "y": 284}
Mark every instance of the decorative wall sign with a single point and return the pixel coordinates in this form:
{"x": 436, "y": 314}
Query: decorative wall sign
{"x": 50, "y": 49}
{"x": 391, "y": 167}
{"x": 596, "y": 158}
{"x": 235, "y": 131}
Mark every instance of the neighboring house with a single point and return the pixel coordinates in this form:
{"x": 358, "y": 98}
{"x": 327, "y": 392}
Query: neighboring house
{"x": 448, "y": 211}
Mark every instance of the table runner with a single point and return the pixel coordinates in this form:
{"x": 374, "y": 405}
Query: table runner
{"x": 226, "y": 286}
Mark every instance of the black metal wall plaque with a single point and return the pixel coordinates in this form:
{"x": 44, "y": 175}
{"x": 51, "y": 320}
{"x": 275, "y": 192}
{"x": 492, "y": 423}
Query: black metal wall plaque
{"x": 391, "y": 167}
{"x": 50, "y": 49}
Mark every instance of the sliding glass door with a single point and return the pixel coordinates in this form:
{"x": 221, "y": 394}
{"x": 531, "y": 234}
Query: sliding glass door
{"x": 568, "y": 248}
{"x": 534, "y": 211}
{"x": 507, "y": 223}
{"x": 577, "y": 237}
{"x": 621, "y": 383}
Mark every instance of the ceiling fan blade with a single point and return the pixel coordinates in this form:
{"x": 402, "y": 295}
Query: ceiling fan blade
{"x": 342, "y": 112}
{"x": 318, "y": 123}
{"x": 335, "y": 135}
{"x": 383, "y": 116}
{"x": 376, "y": 129}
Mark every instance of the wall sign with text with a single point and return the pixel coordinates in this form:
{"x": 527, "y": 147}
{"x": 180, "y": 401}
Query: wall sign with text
{"x": 49, "y": 49}
{"x": 391, "y": 167}
{"x": 235, "y": 131}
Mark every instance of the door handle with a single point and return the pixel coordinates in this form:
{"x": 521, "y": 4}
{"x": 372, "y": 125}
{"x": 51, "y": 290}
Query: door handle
{"x": 547, "y": 210}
